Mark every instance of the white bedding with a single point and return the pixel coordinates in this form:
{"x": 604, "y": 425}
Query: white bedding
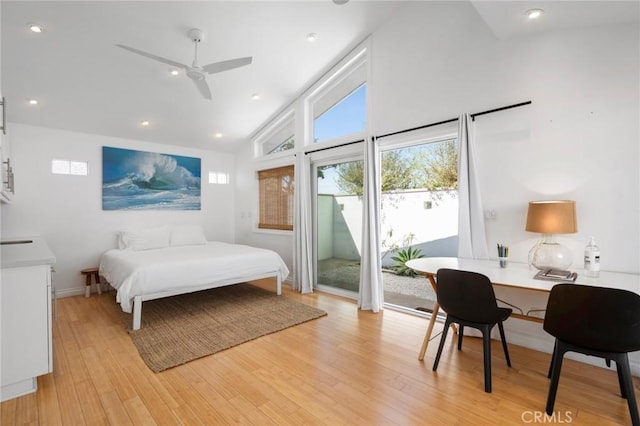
{"x": 168, "y": 269}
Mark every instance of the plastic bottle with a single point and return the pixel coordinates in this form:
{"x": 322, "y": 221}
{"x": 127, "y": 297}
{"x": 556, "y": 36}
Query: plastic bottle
{"x": 592, "y": 259}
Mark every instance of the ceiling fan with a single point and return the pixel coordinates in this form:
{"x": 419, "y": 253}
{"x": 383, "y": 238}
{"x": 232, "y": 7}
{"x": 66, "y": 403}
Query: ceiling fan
{"x": 196, "y": 72}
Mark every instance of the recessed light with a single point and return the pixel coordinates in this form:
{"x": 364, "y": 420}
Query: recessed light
{"x": 218, "y": 135}
{"x": 174, "y": 71}
{"x": 311, "y": 37}
{"x": 32, "y": 101}
{"x": 144, "y": 123}
{"x": 36, "y": 28}
{"x": 534, "y": 13}
{"x": 255, "y": 96}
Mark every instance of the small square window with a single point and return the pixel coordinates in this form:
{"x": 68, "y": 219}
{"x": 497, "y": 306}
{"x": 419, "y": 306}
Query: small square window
{"x": 67, "y": 167}
{"x": 219, "y": 178}
{"x": 60, "y": 167}
{"x": 78, "y": 168}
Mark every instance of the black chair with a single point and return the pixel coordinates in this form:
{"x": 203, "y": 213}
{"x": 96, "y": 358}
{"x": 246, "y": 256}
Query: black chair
{"x": 469, "y": 300}
{"x": 596, "y": 321}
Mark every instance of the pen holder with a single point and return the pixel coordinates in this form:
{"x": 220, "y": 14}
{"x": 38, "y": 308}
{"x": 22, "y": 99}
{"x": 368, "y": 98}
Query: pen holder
{"x": 503, "y": 261}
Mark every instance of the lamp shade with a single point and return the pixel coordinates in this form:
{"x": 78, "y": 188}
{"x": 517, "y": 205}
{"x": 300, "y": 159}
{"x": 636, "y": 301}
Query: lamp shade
{"x": 552, "y": 217}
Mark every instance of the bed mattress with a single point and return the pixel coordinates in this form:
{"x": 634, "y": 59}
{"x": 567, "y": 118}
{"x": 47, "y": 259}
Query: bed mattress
{"x": 133, "y": 273}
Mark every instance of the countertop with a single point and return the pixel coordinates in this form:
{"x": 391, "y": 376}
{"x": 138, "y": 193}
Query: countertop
{"x": 35, "y": 252}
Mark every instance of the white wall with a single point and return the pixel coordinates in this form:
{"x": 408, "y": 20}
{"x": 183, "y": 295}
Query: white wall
{"x": 67, "y": 210}
{"x": 246, "y": 187}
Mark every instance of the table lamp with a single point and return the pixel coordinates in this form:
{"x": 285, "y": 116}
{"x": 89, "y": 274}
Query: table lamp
{"x": 549, "y": 218}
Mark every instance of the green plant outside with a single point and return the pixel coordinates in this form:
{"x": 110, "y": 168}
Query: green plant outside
{"x": 402, "y": 257}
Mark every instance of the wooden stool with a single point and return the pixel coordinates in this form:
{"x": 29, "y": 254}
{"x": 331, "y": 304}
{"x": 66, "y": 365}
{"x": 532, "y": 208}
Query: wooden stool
{"x": 88, "y": 273}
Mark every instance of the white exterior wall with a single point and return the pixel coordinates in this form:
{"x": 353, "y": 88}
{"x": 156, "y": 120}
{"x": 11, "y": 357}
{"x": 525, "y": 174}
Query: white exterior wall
{"x": 325, "y": 239}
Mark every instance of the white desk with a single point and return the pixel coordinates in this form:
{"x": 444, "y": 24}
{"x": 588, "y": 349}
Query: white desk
{"x": 517, "y": 275}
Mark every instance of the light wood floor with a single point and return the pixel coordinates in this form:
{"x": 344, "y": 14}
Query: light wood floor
{"x": 351, "y": 367}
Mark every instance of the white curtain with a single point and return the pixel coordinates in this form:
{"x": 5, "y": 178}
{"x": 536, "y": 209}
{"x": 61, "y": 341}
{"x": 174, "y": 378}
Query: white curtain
{"x": 302, "y": 228}
{"x": 472, "y": 240}
{"x": 371, "y": 295}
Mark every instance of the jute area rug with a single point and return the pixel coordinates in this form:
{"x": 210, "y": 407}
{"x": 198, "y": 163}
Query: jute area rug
{"x": 179, "y": 329}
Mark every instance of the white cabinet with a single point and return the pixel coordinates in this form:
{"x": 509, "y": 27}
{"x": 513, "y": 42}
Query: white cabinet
{"x": 26, "y": 349}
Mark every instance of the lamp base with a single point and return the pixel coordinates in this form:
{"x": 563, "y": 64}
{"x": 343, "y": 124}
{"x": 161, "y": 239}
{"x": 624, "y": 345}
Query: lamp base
{"x": 548, "y": 254}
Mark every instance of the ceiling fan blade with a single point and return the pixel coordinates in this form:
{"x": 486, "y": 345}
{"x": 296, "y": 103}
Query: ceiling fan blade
{"x": 226, "y": 65}
{"x": 151, "y": 56}
{"x": 203, "y": 88}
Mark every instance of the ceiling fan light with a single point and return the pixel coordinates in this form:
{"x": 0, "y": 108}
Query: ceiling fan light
{"x": 35, "y": 28}
{"x": 195, "y": 74}
{"x": 174, "y": 71}
{"x": 534, "y": 13}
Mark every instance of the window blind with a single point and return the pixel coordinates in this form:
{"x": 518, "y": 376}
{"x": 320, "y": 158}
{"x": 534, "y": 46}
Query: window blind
{"x": 276, "y": 198}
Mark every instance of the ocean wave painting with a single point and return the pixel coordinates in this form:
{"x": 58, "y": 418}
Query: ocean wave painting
{"x": 138, "y": 180}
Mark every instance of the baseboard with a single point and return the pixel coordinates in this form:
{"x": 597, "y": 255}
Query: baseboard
{"x": 68, "y": 292}
{"x": 79, "y": 291}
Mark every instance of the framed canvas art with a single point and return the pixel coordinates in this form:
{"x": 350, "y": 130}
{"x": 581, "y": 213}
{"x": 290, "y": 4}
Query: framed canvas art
{"x": 139, "y": 180}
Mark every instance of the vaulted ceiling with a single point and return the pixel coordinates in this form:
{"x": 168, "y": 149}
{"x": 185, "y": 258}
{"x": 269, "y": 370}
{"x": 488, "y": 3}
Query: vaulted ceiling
{"x": 84, "y": 83}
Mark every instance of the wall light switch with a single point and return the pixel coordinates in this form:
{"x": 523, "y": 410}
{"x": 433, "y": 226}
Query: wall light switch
{"x": 490, "y": 215}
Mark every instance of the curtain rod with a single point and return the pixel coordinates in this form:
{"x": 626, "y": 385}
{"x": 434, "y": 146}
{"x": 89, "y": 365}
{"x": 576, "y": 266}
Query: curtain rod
{"x": 451, "y": 120}
{"x": 334, "y": 146}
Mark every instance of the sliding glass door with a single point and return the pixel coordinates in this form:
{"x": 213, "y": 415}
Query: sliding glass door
{"x": 419, "y": 216}
{"x": 338, "y": 225}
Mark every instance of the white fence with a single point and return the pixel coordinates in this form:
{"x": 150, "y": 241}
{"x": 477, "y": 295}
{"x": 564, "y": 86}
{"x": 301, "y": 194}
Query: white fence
{"x": 431, "y": 217}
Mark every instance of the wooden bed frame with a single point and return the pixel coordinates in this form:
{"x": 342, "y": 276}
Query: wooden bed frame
{"x": 137, "y": 300}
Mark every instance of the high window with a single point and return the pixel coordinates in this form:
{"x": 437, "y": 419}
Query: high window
{"x": 278, "y": 138}
{"x": 276, "y": 198}
{"x": 340, "y": 108}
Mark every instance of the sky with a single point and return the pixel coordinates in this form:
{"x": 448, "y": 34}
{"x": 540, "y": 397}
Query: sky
{"x": 346, "y": 117}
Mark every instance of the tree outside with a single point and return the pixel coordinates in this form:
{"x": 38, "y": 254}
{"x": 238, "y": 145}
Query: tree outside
{"x": 430, "y": 167}
{"x": 433, "y": 167}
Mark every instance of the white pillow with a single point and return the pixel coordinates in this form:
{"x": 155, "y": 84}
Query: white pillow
{"x": 187, "y": 235}
{"x": 144, "y": 239}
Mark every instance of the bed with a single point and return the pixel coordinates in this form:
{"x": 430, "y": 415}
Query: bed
{"x": 140, "y": 273}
